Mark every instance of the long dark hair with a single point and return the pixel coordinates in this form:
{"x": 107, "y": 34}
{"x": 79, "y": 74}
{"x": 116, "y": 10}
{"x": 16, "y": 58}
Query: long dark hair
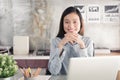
{"x": 66, "y": 12}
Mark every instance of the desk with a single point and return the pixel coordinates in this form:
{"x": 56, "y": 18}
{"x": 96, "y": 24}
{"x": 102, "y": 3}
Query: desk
{"x": 62, "y": 77}
{"x": 29, "y": 57}
{"x": 48, "y": 77}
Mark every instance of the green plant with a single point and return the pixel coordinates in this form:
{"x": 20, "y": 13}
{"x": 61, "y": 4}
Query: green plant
{"x": 8, "y": 66}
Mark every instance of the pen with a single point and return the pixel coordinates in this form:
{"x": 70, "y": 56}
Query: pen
{"x": 22, "y": 70}
{"x": 29, "y": 70}
{"x": 37, "y": 72}
{"x": 26, "y": 73}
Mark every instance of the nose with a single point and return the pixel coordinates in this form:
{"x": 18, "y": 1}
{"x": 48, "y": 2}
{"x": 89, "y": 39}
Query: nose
{"x": 71, "y": 25}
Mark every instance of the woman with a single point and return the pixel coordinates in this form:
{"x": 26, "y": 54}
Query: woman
{"x": 69, "y": 42}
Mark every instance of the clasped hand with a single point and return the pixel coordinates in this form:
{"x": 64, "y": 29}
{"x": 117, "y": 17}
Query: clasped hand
{"x": 71, "y": 38}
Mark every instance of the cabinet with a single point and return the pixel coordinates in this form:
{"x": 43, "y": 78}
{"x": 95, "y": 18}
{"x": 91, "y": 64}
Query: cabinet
{"x": 32, "y": 61}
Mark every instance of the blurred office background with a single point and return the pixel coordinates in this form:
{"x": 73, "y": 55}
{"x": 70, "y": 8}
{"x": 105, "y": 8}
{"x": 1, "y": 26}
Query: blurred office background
{"x": 39, "y": 19}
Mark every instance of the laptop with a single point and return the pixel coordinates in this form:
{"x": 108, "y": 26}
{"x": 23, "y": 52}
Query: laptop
{"x": 93, "y": 68}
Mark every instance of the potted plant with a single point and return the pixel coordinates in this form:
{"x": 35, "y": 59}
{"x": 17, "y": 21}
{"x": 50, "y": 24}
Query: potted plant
{"x": 8, "y": 66}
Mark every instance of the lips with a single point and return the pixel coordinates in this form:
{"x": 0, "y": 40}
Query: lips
{"x": 71, "y": 30}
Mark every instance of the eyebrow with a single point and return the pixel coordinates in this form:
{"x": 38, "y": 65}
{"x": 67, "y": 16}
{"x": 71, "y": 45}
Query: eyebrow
{"x": 68, "y": 19}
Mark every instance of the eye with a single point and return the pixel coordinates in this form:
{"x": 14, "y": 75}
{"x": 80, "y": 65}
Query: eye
{"x": 66, "y": 22}
{"x": 75, "y": 22}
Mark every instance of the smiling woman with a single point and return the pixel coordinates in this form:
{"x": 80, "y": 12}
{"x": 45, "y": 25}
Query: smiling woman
{"x": 69, "y": 42}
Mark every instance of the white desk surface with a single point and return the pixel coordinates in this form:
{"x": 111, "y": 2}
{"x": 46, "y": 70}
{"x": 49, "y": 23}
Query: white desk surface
{"x": 30, "y": 57}
{"x": 40, "y": 77}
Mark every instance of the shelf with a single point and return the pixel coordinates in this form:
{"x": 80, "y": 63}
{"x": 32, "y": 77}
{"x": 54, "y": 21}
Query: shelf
{"x": 33, "y": 57}
{"x": 109, "y": 54}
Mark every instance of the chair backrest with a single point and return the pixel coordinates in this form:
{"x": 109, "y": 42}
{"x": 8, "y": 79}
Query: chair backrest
{"x": 48, "y": 72}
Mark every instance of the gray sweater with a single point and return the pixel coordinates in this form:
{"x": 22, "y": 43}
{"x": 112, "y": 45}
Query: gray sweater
{"x": 59, "y": 64}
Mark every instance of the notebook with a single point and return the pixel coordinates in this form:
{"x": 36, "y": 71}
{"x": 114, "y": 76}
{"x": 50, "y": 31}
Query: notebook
{"x": 93, "y": 68}
{"x": 21, "y": 45}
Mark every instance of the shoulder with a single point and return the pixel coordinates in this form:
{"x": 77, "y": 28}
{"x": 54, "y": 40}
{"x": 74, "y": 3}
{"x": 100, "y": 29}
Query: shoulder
{"x": 55, "y": 40}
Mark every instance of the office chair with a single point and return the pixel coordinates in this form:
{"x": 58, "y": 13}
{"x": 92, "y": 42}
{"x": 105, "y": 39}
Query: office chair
{"x": 48, "y": 72}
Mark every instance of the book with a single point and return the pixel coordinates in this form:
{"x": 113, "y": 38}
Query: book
{"x": 102, "y": 51}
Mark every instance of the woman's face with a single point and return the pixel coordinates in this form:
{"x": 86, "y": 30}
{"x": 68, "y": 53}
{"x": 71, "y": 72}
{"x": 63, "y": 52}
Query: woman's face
{"x": 71, "y": 23}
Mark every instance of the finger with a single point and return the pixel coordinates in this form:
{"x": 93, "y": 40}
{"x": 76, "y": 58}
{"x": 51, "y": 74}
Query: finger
{"x": 71, "y": 42}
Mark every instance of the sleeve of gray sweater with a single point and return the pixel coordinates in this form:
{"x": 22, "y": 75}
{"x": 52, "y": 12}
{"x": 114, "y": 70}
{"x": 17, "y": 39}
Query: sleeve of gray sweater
{"x": 88, "y": 51}
{"x": 55, "y": 61}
